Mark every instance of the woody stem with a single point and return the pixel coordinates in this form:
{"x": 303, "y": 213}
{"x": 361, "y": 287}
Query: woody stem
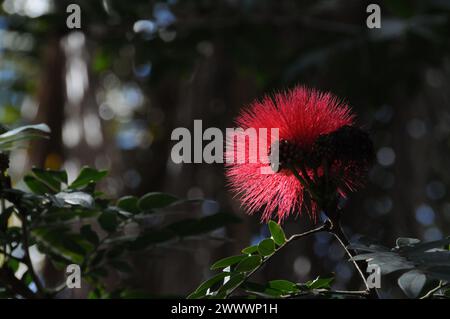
{"x": 336, "y": 231}
{"x": 334, "y": 216}
{"x": 330, "y": 208}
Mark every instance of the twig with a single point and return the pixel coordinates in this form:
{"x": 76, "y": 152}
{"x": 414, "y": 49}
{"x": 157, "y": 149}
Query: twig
{"x": 358, "y": 293}
{"x": 323, "y": 227}
{"x": 334, "y": 218}
{"x": 27, "y": 258}
{"x": 435, "y": 289}
{"x": 345, "y": 292}
{"x": 336, "y": 230}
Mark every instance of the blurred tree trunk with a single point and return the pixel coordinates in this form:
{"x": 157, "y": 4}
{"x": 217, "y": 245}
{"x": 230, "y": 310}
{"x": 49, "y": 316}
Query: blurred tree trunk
{"x": 51, "y": 101}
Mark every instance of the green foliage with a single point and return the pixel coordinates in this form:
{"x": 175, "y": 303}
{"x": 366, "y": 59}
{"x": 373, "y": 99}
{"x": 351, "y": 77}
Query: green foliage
{"x": 236, "y": 274}
{"x": 417, "y": 263}
{"x": 11, "y": 138}
{"x": 266, "y": 247}
{"x": 236, "y": 270}
{"x": 74, "y": 223}
{"x": 250, "y": 250}
{"x": 228, "y": 261}
{"x": 320, "y": 283}
{"x": 128, "y": 203}
{"x": 152, "y": 201}
{"x": 87, "y": 176}
{"x": 277, "y": 233}
{"x": 387, "y": 61}
{"x": 248, "y": 264}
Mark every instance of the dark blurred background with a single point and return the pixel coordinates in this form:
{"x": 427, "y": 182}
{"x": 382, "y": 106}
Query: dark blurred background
{"x": 113, "y": 91}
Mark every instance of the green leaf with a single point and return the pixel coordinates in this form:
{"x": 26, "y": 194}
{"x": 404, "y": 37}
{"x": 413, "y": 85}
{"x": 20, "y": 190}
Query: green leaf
{"x": 61, "y": 245}
{"x": 108, "y": 221}
{"x": 13, "y": 264}
{"x": 53, "y": 179}
{"x": 156, "y": 200}
{"x": 266, "y": 247}
{"x": 76, "y": 198}
{"x": 248, "y": 264}
{"x": 97, "y": 293}
{"x": 234, "y": 281}
{"x": 72, "y": 245}
{"x": 129, "y": 204}
{"x": 261, "y": 290}
{"x": 320, "y": 283}
{"x": 196, "y": 295}
{"x": 36, "y": 186}
{"x": 27, "y": 279}
{"x": 228, "y": 261}
{"x": 90, "y": 235}
{"x": 22, "y": 133}
{"x": 250, "y": 250}
{"x": 203, "y": 288}
{"x": 42, "y": 128}
{"x": 283, "y": 285}
{"x": 403, "y": 241}
{"x": 277, "y": 233}
{"x": 87, "y": 175}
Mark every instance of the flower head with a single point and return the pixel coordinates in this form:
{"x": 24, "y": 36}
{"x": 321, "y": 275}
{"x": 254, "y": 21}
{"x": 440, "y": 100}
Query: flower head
{"x": 320, "y": 153}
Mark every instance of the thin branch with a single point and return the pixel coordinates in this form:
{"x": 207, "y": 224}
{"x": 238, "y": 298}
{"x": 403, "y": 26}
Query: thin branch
{"x": 342, "y": 239}
{"x": 335, "y": 227}
{"x": 28, "y": 262}
{"x": 348, "y": 292}
{"x": 435, "y": 289}
{"x": 323, "y": 227}
{"x": 357, "y": 293}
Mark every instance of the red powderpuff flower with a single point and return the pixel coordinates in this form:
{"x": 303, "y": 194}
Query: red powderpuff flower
{"x": 302, "y": 115}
